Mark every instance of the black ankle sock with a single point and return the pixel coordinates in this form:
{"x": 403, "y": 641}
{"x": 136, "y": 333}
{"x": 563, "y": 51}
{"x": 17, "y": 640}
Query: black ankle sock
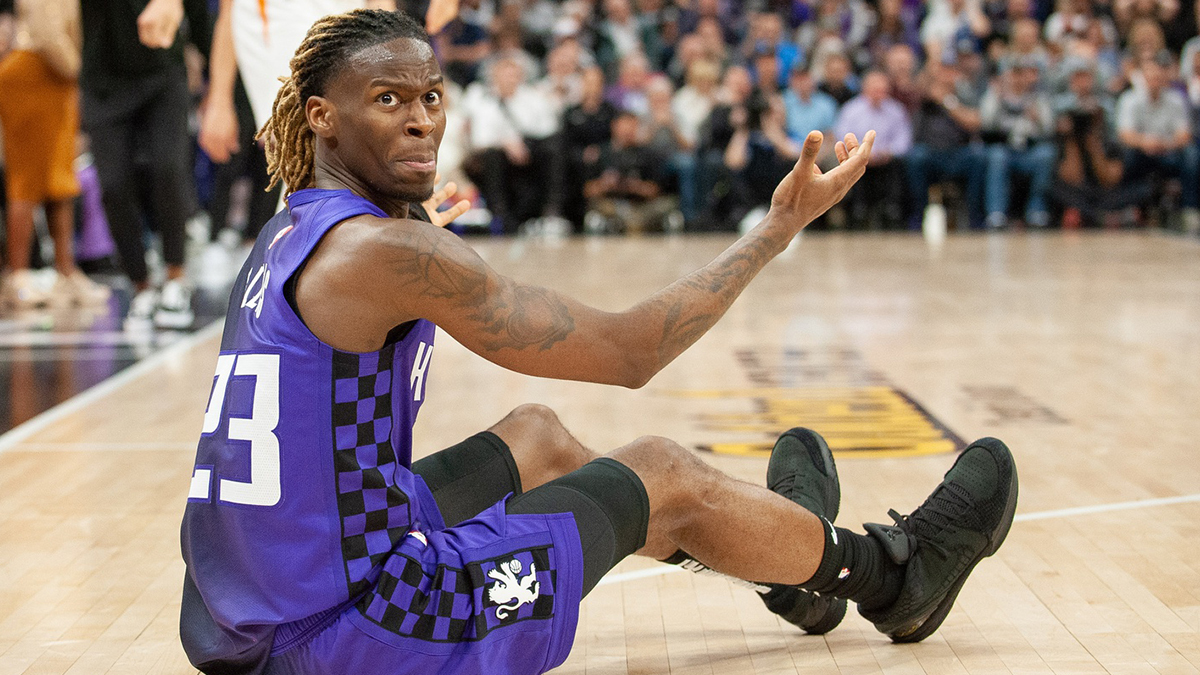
{"x": 855, "y": 567}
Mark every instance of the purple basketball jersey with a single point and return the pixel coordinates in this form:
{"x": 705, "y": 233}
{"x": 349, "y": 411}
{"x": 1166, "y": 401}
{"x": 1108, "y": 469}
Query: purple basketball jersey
{"x": 303, "y": 508}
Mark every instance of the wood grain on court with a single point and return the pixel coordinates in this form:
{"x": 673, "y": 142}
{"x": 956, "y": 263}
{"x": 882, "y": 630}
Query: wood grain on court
{"x": 1096, "y": 338}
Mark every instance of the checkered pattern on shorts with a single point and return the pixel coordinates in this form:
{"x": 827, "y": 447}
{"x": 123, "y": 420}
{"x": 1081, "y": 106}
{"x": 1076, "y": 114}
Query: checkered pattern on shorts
{"x": 457, "y": 605}
{"x": 374, "y": 511}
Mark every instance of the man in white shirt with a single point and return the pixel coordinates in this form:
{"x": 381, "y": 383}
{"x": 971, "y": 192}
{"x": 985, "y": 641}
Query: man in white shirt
{"x": 514, "y": 136}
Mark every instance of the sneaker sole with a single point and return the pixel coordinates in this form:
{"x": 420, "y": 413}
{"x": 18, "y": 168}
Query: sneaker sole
{"x": 837, "y": 612}
{"x": 934, "y": 621}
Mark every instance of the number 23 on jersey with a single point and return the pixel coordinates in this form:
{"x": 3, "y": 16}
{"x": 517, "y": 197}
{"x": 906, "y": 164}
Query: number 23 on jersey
{"x": 263, "y": 488}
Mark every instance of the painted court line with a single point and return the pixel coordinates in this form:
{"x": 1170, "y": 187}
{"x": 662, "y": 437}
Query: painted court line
{"x": 1020, "y": 517}
{"x": 146, "y": 365}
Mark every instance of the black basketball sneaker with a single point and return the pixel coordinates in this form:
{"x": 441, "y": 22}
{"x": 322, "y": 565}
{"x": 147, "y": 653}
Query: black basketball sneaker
{"x": 964, "y": 521}
{"x": 802, "y": 469}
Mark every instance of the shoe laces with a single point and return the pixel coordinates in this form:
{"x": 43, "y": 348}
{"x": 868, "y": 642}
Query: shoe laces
{"x": 928, "y": 525}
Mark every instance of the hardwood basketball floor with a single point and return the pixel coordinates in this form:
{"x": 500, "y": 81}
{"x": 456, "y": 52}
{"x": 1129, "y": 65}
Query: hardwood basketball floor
{"x": 1081, "y": 351}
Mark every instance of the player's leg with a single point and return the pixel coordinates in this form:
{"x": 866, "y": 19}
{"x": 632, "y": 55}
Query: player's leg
{"x": 904, "y": 577}
{"x": 526, "y": 449}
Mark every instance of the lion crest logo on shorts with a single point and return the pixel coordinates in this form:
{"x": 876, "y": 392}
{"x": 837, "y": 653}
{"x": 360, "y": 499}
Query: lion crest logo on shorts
{"x": 511, "y": 590}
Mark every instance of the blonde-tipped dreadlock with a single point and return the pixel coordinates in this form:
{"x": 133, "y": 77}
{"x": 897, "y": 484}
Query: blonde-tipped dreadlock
{"x": 290, "y": 144}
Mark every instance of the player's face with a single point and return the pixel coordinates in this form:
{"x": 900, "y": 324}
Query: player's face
{"x": 390, "y": 118}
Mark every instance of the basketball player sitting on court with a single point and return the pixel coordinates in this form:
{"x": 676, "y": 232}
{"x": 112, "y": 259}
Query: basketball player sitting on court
{"x": 313, "y": 543}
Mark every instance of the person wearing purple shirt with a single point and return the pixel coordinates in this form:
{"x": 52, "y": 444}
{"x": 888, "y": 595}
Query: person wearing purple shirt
{"x": 315, "y": 544}
{"x": 875, "y": 109}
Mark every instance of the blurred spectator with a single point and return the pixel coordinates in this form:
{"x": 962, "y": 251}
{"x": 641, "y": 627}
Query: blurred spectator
{"x": 1017, "y": 118}
{"x": 1072, "y": 19}
{"x": 464, "y": 44}
{"x": 900, "y": 66}
{"x": 508, "y": 45}
{"x": 713, "y": 179}
{"x": 692, "y": 105}
{"x": 40, "y": 125}
{"x": 563, "y": 83}
{"x": 667, "y": 141}
{"x": 837, "y": 78}
{"x": 1089, "y": 175}
{"x": 806, "y": 108}
{"x": 248, "y": 163}
{"x": 896, "y": 25}
{"x": 1126, "y": 12}
{"x": 1154, "y": 126}
{"x": 629, "y": 91}
{"x": 515, "y": 162}
{"x": 694, "y": 102}
{"x": 951, "y": 22}
{"x": 713, "y": 40}
{"x": 848, "y": 21}
{"x": 764, "y": 67}
{"x": 1025, "y": 44}
{"x": 624, "y": 190}
{"x": 1083, "y": 93}
{"x": 621, "y": 34}
{"x": 944, "y": 130}
{"x": 135, "y": 109}
{"x": 587, "y": 127}
{"x": 703, "y": 16}
{"x": 877, "y": 199}
{"x": 1004, "y": 14}
{"x": 759, "y": 153}
{"x": 766, "y": 35}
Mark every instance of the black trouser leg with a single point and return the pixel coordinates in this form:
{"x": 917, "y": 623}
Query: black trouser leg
{"x": 164, "y": 123}
{"x": 113, "y": 149}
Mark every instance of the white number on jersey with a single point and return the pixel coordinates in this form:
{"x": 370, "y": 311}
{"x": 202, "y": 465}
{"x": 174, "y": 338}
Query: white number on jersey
{"x": 264, "y": 487}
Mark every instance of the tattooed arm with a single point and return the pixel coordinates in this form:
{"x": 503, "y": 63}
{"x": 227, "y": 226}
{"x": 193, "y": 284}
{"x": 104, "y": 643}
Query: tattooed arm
{"x": 371, "y": 274}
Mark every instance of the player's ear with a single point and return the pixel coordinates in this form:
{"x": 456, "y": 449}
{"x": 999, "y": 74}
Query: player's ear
{"x": 322, "y": 116}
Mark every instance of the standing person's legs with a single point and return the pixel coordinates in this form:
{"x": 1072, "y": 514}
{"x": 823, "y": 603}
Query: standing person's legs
{"x": 163, "y": 122}
{"x": 112, "y": 150}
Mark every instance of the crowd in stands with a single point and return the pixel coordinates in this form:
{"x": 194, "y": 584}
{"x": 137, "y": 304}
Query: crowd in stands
{"x": 668, "y": 114}
{"x": 631, "y": 115}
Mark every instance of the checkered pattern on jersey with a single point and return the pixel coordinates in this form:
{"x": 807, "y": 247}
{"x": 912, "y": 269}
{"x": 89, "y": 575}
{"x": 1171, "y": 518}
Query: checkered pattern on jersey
{"x": 374, "y": 511}
{"x": 463, "y": 605}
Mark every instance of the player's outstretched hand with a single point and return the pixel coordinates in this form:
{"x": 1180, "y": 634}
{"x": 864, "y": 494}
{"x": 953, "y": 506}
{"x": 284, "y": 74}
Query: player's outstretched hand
{"x": 444, "y": 218}
{"x": 806, "y": 192}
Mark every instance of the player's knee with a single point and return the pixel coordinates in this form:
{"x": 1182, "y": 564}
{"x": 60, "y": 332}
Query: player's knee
{"x": 672, "y": 474}
{"x": 537, "y": 428}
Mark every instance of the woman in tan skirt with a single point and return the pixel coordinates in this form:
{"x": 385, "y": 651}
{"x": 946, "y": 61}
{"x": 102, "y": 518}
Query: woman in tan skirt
{"x": 39, "y": 113}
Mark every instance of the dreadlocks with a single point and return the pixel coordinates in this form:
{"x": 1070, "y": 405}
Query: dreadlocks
{"x": 330, "y": 42}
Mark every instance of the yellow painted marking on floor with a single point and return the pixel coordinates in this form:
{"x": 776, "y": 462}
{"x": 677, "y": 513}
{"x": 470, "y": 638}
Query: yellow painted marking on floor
{"x": 870, "y": 421}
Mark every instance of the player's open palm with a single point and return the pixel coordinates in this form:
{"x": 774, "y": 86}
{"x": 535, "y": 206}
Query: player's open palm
{"x": 805, "y": 193}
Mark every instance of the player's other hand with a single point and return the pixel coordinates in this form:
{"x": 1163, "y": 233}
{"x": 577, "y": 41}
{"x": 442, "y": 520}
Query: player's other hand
{"x": 440, "y": 196}
{"x": 218, "y": 130}
{"x": 159, "y": 22}
{"x": 806, "y": 192}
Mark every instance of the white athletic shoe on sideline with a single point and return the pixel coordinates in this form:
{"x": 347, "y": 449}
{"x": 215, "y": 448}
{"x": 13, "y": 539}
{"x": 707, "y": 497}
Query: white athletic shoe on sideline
{"x": 174, "y": 306}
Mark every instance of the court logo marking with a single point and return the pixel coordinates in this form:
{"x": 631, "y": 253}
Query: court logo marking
{"x": 833, "y": 391}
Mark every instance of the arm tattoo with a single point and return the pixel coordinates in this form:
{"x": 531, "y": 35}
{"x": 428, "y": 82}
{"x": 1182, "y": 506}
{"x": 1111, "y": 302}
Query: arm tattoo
{"x": 516, "y": 316}
{"x": 719, "y": 284}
